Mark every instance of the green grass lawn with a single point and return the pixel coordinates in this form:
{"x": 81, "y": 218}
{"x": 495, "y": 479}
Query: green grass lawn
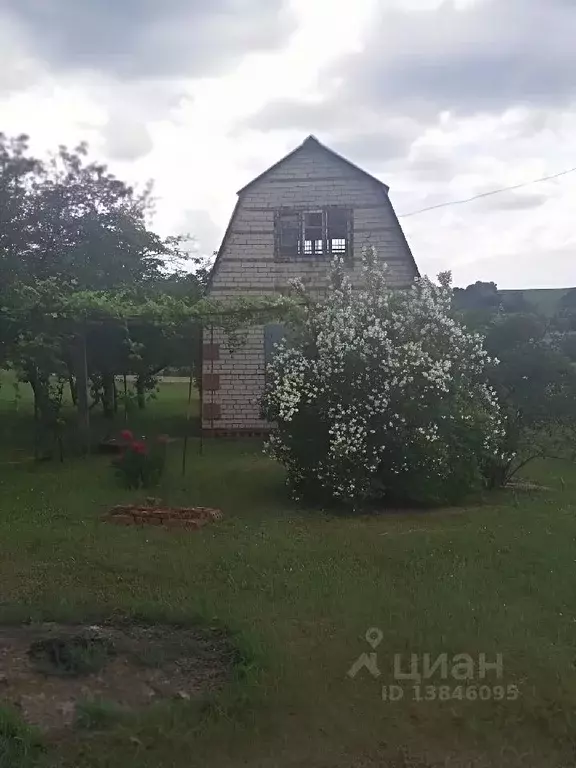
{"x": 302, "y": 586}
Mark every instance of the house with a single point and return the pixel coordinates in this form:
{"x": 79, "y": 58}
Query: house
{"x": 287, "y": 223}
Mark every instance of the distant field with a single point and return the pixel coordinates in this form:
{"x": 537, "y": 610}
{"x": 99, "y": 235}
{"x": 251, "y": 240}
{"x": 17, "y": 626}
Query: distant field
{"x": 545, "y": 300}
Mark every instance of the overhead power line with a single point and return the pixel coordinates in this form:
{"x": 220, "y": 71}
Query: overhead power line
{"x": 488, "y": 194}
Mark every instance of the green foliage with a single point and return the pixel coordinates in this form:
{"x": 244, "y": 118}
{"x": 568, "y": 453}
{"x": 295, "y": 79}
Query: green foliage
{"x": 74, "y": 242}
{"x": 564, "y": 324}
{"x": 20, "y": 745}
{"x": 535, "y": 379}
{"x": 543, "y": 301}
{"x": 81, "y": 273}
{"x": 70, "y": 219}
{"x": 141, "y": 463}
{"x": 568, "y": 301}
{"x": 477, "y": 297}
{"x": 481, "y": 300}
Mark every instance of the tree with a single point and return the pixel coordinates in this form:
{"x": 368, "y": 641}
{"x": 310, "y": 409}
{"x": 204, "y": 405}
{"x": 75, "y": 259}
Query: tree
{"x": 382, "y": 395}
{"x": 37, "y": 349}
{"x": 19, "y": 173}
{"x": 161, "y": 347}
{"x": 477, "y": 296}
{"x": 481, "y": 300}
{"x": 69, "y": 224}
{"x": 564, "y": 324}
{"x": 145, "y": 347}
{"x": 534, "y": 379}
{"x": 568, "y": 301}
{"x": 536, "y": 386}
{"x": 87, "y": 290}
{"x": 90, "y": 227}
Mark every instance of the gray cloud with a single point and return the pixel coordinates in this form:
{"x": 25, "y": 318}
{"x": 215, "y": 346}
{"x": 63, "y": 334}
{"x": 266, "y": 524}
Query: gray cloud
{"x": 133, "y": 57}
{"x": 290, "y": 114}
{"x": 492, "y": 55}
{"x": 206, "y": 234}
{"x": 130, "y": 108}
{"x": 515, "y": 201}
{"x": 361, "y": 134}
{"x": 487, "y": 57}
{"x": 509, "y": 272}
{"x": 133, "y": 39}
{"x": 18, "y": 71}
{"x": 125, "y": 136}
{"x": 376, "y": 147}
{"x": 429, "y": 162}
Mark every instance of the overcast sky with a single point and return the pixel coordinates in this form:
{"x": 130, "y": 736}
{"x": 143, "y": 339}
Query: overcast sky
{"x": 441, "y": 100}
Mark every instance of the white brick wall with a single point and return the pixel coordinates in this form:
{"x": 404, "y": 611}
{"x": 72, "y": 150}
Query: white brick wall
{"x": 311, "y": 178}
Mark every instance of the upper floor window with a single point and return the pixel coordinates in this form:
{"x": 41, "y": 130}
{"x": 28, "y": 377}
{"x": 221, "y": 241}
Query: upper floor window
{"x": 314, "y": 233}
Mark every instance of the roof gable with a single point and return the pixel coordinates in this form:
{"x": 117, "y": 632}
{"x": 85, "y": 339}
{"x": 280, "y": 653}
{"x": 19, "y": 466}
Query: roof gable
{"x": 312, "y": 143}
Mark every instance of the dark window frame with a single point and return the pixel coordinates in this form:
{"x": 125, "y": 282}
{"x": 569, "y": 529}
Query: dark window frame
{"x": 313, "y": 233}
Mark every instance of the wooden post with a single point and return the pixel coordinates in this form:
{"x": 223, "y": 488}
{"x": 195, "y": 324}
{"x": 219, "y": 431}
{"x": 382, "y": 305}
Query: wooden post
{"x": 211, "y": 371}
{"x": 187, "y": 432}
{"x": 82, "y": 392}
{"x": 125, "y": 400}
{"x": 189, "y": 413}
{"x": 36, "y": 424}
{"x": 200, "y": 386}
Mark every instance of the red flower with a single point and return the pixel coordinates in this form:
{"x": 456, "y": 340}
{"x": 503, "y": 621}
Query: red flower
{"x": 126, "y": 435}
{"x": 139, "y": 447}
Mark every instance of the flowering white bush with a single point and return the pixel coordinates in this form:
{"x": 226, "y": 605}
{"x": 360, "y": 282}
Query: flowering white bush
{"x": 381, "y": 394}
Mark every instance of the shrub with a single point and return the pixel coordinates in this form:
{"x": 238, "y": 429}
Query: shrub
{"x": 535, "y": 380}
{"x": 381, "y": 395}
{"x": 141, "y": 463}
{"x": 536, "y": 386}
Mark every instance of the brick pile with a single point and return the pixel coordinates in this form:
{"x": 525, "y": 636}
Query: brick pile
{"x": 191, "y": 518}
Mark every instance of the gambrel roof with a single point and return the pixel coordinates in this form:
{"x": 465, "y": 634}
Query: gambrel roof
{"x": 310, "y": 142}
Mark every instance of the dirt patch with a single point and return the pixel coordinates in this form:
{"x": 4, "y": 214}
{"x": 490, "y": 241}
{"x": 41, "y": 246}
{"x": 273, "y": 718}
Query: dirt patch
{"x": 47, "y": 670}
{"x": 70, "y": 656}
{"x": 190, "y": 518}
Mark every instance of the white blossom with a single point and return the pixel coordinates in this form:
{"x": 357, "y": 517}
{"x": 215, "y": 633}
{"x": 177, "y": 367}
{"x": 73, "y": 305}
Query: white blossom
{"x": 390, "y": 371}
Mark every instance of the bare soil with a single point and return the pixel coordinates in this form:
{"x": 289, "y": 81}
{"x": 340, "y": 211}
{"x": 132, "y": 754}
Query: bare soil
{"x": 149, "y": 663}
